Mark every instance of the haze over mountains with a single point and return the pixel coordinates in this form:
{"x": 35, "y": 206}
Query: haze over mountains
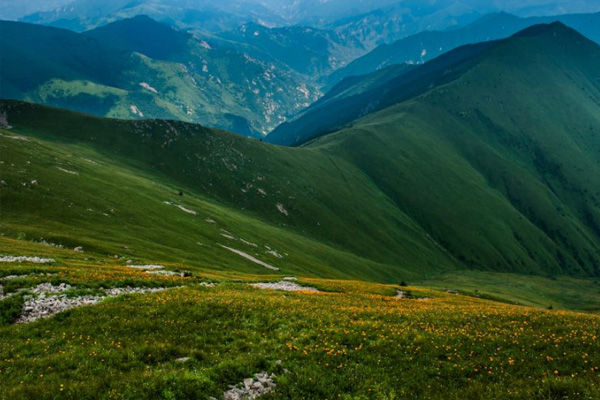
{"x": 245, "y": 80}
{"x": 425, "y": 46}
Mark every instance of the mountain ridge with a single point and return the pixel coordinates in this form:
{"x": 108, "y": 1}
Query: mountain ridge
{"x": 488, "y": 184}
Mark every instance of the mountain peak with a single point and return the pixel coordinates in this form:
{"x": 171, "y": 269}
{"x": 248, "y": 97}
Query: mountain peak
{"x": 144, "y": 35}
{"x": 544, "y": 29}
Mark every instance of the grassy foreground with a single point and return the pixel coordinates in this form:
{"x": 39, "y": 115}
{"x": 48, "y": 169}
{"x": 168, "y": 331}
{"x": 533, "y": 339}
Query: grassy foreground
{"x": 352, "y": 340}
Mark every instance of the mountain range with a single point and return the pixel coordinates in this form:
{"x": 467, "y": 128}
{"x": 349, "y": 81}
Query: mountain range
{"x": 372, "y": 23}
{"x": 485, "y": 158}
{"x": 125, "y": 70}
{"x": 429, "y": 44}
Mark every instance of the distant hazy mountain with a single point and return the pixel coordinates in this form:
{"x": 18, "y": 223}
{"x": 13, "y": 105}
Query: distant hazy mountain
{"x": 15, "y": 9}
{"x": 139, "y": 68}
{"x": 309, "y": 51}
{"x": 427, "y": 45}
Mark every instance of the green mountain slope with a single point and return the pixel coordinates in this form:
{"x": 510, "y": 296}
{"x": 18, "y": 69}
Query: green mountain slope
{"x": 511, "y": 157}
{"x": 247, "y": 181}
{"x": 121, "y": 71}
{"x": 356, "y": 97}
{"x": 504, "y": 178}
{"x": 427, "y": 45}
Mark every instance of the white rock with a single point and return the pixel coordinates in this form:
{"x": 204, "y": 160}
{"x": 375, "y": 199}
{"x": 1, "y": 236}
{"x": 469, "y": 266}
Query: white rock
{"x": 36, "y": 260}
{"x": 284, "y": 285}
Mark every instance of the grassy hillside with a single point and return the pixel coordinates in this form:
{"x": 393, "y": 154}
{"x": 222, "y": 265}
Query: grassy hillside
{"x": 353, "y": 340}
{"x": 214, "y": 169}
{"x": 512, "y": 146}
{"x": 357, "y": 97}
{"x": 123, "y": 71}
{"x": 552, "y": 293}
{"x": 485, "y": 185}
{"x": 495, "y": 198}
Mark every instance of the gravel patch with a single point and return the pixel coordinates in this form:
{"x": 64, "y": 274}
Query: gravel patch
{"x": 284, "y": 285}
{"x": 161, "y": 272}
{"x": 36, "y": 260}
{"x": 129, "y": 290}
{"x": 146, "y": 267}
{"x": 46, "y": 306}
{"x": 10, "y": 277}
{"x": 48, "y": 300}
{"x": 251, "y": 388}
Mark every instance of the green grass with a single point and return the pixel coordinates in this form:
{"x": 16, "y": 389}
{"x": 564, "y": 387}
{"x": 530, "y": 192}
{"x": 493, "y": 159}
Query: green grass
{"x": 557, "y": 292}
{"x": 355, "y": 342}
{"x": 10, "y": 309}
{"x": 126, "y": 211}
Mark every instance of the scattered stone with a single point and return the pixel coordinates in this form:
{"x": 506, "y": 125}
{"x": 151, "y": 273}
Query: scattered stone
{"x": 146, "y": 267}
{"x": 207, "y": 284}
{"x": 47, "y": 300}
{"x": 45, "y": 243}
{"x": 281, "y": 209}
{"x": 251, "y": 388}
{"x": 161, "y": 272}
{"x": 274, "y": 253}
{"x": 78, "y": 249}
{"x": 401, "y": 294}
{"x": 182, "y": 359}
{"x": 452, "y": 291}
{"x": 289, "y": 278}
{"x": 68, "y": 171}
{"x": 131, "y": 290}
{"x": 182, "y": 208}
{"x": 284, "y": 285}
{"x": 45, "y": 306}
{"x": 248, "y": 243}
{"x": 148, "y": 87}
{"x": 249, "y": 257}
{"x": 36, "y": 260}
{"x": 10, "y": 277}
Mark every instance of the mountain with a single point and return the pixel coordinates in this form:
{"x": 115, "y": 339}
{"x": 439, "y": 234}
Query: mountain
{"x": 316, "y": 52}
{"x": 486, "y": 158}
{"x": 126, "y": 70}
{"x": 373, "y": 22}
{"x": 82, "y": 15}
{"x": 14, "y": 9}
{"x": 386, "y": 25}
{"x": 427, "y": 45}
{"x": 356, "y": 97}
{"x": 233, "y": 188}
{"x": 507, "y": 134}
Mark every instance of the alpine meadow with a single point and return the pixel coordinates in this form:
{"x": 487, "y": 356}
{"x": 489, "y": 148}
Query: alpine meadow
{"x": 298, "y": 199}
